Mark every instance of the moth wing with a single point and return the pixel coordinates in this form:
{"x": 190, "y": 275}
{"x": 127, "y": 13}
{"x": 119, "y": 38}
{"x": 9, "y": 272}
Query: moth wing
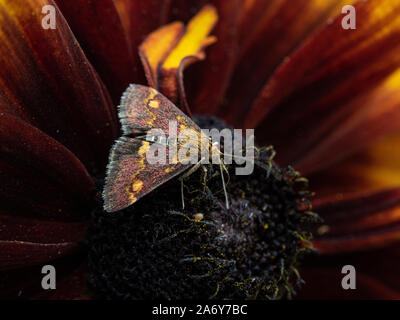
{"x": 143, "y": 108}
{"x": 130, "y": 176}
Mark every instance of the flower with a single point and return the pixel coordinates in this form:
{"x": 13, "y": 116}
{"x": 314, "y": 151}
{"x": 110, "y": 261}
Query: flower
{"x": 325, "y": 97}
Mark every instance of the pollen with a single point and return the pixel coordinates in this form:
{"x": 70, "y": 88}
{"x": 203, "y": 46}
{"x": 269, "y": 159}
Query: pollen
{"x": 198, "y": 216}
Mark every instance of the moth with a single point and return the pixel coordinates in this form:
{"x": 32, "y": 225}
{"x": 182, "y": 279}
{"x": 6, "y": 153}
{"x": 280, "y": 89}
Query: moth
{"x": 130, "y": 174}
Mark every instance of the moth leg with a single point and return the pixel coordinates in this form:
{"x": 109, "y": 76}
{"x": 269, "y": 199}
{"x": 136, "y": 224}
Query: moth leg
{"x": 223, "y": 168}
{"x": 187, "y": 174}
{"x": 224, "y": 186}
{"x": 205, "y": 171}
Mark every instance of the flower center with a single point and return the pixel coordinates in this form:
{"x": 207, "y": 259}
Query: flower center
{"x": 155, "y": 249}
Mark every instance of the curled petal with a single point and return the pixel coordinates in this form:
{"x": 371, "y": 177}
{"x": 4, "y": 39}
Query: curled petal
{"x": 47, "y": 76}
{"x": 309, "y": 94}
{"x": 98, "y": 28}
{"x": 29, "y": 193}
{"x": 192, "y": 44}
{"x": 139, "y": 19}
{"x": 357, "y": 222}
{"x": 156, "y": 47}
{"x": 209, "y": 80}
{"x": 362, "y": 241}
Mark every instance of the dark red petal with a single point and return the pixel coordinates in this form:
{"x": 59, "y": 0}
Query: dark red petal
{"x": 189, "y": 49}
{"x": 269, "y": 31}
{"x": 38, "y": 174}
{"x": 358, "y": 221}
{"x": 325, "y": 283}
{"x": 375, "y": 114}
{"x": 17, "y": 254}
{"x": 27, "y": 146}
{"x": 14, "y": 228}
{"x": 98, "y": 28}
{"x": 48, "y": 81}
{"x": 309, "y": 94}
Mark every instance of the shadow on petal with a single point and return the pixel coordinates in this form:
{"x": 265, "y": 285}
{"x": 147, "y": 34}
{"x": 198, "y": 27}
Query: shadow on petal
{"x": 14, "y": 228}
{"x": 38, "y": 172}
{"x": 70, "y": 287}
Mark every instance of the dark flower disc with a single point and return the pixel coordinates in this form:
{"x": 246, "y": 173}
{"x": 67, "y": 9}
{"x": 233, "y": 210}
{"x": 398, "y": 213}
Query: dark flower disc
{"x": 155, "y": 249}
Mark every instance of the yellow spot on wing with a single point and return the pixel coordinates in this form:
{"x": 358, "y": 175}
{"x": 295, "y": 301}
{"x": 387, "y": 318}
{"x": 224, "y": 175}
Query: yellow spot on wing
{"x": 154, "y": 104}
{"x": 137, "y": 185}
{"x": 144, "y": 148}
